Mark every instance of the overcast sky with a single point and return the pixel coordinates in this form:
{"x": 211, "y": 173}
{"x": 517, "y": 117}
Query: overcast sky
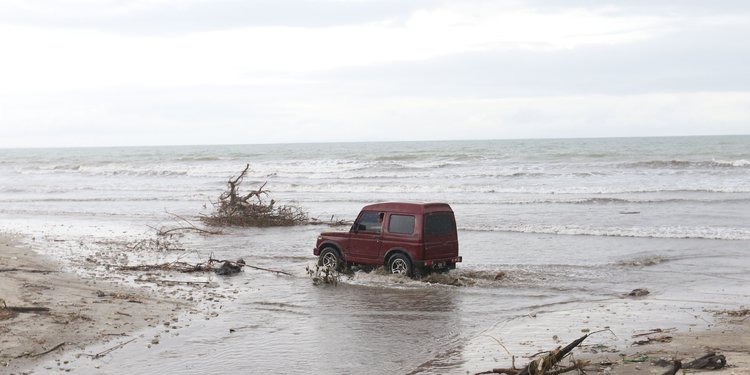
{"x": 156, "y": 72}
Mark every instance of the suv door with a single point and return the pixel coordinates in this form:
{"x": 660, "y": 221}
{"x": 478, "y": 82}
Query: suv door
{"x": 440, "y": 238}
{"x": 366, "y": 237}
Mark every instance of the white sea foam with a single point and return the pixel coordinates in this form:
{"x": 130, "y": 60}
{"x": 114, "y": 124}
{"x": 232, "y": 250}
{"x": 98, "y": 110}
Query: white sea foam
{"x": 715, "y": 233}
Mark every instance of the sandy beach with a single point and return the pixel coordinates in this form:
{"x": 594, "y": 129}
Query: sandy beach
{"x": 81, "y": 312}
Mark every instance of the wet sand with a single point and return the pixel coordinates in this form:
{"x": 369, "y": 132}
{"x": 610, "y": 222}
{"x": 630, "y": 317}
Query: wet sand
{"x": 81, "y": 312}
{"x": 89, "y": 316}
{"x": 623, "y": 348}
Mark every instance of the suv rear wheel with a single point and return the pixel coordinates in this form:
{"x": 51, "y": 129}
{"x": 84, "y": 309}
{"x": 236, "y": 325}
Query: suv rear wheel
{"x": 330, "y": 258}
{"x": 400, "y": 264}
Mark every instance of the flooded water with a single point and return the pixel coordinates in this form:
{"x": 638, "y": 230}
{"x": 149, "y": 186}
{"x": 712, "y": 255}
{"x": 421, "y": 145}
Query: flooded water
{"x": 546, "y": 228}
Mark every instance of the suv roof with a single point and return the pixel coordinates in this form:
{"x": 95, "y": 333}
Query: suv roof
{"x": 416, "y": 208}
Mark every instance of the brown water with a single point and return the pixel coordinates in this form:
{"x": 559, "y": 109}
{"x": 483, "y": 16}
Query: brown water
{"x": 374, "y": 323}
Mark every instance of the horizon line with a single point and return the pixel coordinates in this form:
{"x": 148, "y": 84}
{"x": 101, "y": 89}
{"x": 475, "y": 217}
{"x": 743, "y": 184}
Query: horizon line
{"x": 373, "y": 141}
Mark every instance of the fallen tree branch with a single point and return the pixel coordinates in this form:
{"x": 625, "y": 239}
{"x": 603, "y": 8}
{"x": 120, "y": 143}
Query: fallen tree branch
{"x": 249, "y": 266}
{"x": 42, "y": 353}
{"x": 25, "y": 270}
{"x": 172, "y": 266}
{"x": 162, "y": 281}
{"x": 188, "y": 227}
{"x": 235, "y": 209}
{"x": 110, "y": 350}
{"x": 27, "y": 309}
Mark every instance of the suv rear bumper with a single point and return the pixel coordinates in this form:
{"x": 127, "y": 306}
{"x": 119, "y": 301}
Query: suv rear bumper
{"x": 437, "y": 262}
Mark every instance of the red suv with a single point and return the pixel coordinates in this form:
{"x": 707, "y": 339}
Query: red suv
{"x": 407, "y": 238}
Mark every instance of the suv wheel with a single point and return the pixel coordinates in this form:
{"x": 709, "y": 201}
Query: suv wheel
{"x": 329, "y": 258}
{"x": 400, "y": 264}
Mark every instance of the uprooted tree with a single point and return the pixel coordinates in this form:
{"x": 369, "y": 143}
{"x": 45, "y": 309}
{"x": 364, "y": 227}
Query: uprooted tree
{"x": 251, "y": 209}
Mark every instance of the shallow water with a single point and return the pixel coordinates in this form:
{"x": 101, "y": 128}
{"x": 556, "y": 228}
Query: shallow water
{"x": 545, "y": 227}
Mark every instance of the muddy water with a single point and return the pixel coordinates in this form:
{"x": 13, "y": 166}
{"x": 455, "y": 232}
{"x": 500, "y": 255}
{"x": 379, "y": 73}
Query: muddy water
{"x": 374, "y": 323}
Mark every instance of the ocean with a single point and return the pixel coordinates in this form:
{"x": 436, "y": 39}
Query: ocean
{"x": 545, "y": 225}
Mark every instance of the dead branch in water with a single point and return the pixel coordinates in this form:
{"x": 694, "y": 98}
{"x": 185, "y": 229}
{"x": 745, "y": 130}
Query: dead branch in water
{"x": 332, "y": 222}
{"x": 187, "y": 226}
{"x": 242, "y": 264}
{"x": 159, "y": 244}
{"x": 250, "y": 209}
{"x": 184, "y": 267}
{"x": 171, "y": 266}
{"x": 103, "y": 353}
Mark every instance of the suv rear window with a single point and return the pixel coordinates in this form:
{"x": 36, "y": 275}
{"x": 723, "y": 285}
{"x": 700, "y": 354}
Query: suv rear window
{"x": 438, "y": 224}
{"x": 402, "y": 224}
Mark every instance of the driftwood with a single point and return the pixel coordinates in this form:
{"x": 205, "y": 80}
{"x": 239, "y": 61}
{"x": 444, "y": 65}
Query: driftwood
{"x": 250, "y": 209}
{"x": 25, "y": 270}
{"x": 9, "y": 310}
{"x": 710, "y": 361}
{"x": 156, "y": 244}
{"x": 27, "y": 309}
{"x": 172, "y": 266}
{"x": 544, "y": 365}
{"x": 172, "y": 282}
{"x": 243, "y": 264}
{"x": 332, "y": 222}
{"x": 41, "y": 353}
{"x": 185, "y": 267}
{"x": 187, "y": 226}
{"x": 547, "y": 364}
{"x": 103, "y": 353}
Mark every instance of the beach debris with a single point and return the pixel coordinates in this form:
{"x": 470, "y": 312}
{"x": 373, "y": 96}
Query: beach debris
{"x": 7, "y": 312}
{"x": 650, "y": 340}
{"x": 185, "y": 267}
{"x": 230, "y": 268}
{"x": 639, "y": 292}
{"x": 241, "y": 263}
{"x": 660, "y": 336}
{"x": 710, "y": 361}
{"x": 110, "y": 350}
{"x": 124, "y": 296}
{"x": 547, "y": 364}
{"x": 176, "y": 266}
{"x": 250, "y": 209}
{"x": 639, "y": 359}
{"x": 34, "y": 355}
{"x": 25, "y": 270}
{"x": 739, "y": 313}
{"x": 333, "y": 222}
{"x": 653, "y": 331}
{"x": 676, "y": 366}
{"x": 185, "y": 226}
{"x": 158, "y": 244}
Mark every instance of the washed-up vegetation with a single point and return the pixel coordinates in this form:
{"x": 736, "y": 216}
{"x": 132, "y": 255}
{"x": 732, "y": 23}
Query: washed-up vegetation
{"x": 252, "y": 209}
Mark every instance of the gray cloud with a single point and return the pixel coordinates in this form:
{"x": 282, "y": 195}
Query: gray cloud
{"x": 700, "y": 59}
{"x": 193, "y": 16}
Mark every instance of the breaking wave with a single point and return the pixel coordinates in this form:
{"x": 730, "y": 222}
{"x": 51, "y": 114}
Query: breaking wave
{"x": 686, "y": 164}
{"x": 712, "y": 233}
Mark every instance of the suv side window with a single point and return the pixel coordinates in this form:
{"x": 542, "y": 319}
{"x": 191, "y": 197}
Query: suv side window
{"x": 401, "y": 224}
{"x": 369, "y": 221}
